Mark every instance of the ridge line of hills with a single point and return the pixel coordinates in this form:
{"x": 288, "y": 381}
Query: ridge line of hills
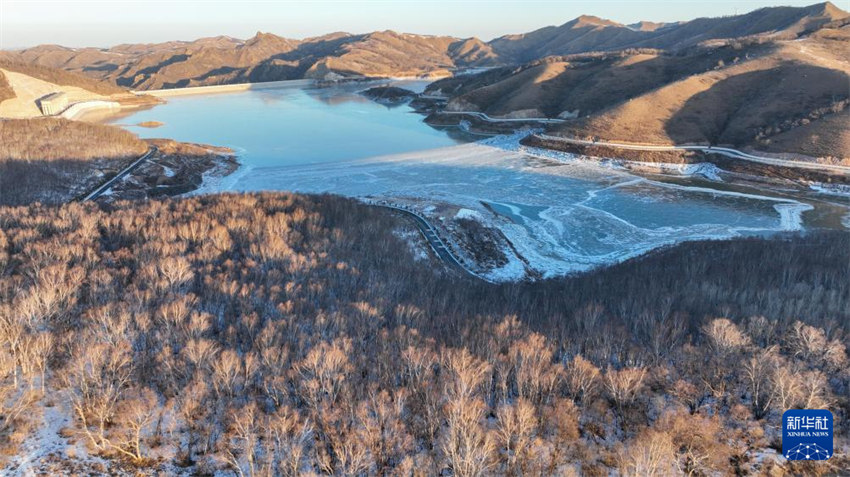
{"x": 268, "y": 57}
{"x": 773, "y": 80}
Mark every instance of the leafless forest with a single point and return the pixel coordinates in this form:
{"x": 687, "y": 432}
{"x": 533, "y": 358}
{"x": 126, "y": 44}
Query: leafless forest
{"x": 55, "y": 138}
{"x": 51, "y": 159}
{"x": 279, "y": 334}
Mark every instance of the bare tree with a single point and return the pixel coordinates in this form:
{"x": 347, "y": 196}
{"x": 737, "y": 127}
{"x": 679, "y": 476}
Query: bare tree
{"x": 243, "y": 440}
{"x": 287, "y": 440}
{"x": 226, "y": 369}
{"x": 381, "y": 421}
{"x": 135, "y": 414}
{"x": 324, "y": 371}
{"x": 97, "y": 378}
{"x": 623, "y": 385}
{"x": 756, "y": 373}
{"x": 13, "y": 334}
{"x": 171, "y": 273}
{"x": 724, "y": 337}
{"x": 651, "y": 453}
{"x": 785, "y": 388}
{"x": 467, "y": 373}
{"x": 582, "y": 378}
{"x": 532, "y": 368}
{"x": 35, "y": 352}
{"x": 467, "y": 444}
{"x": 15, "y": 403}
{"x": 515, "y": 430}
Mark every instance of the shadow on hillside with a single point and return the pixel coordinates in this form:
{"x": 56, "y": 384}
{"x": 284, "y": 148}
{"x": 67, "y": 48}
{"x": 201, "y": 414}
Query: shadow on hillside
{"x": 735, "y": 110}
{"x": 49, "y": 181}
{"x": 591, "y": 84}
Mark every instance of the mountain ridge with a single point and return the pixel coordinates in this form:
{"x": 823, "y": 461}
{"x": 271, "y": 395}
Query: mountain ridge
{"x": 269, "y": 57}
{"x": 768, "y": 95}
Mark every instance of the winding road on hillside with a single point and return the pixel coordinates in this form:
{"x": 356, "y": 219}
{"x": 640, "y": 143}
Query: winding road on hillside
{"x": 725, "y": 151}
{"x": 434, "y": 241}
{"x": 108, "y": 184}
{"x": 490, "y": 119}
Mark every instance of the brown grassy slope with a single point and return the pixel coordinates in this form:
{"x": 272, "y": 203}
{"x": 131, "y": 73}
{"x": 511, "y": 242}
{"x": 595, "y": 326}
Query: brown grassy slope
{"x": 170, "y": 64}
{"x": 265, "y": 57}
{"x": 62, "y": 77}
{"x": 203, "y": 63}
{"x": 742, "y": 105}
{"x": 52, "y": 160}
{"x": 742, "y": 93}
{"x": 473, "y": 52}
{"x": 268, "y": 57}
{"x": 585, "y": 33}
{"x": 588, "y": 33}
{"x": 826, "y": 138}
{"x": 726, "y": 107}
{"x": 6, "y": 91}
{"x": 388, "y": 53}
{"x": 93, "y": 62}
{"x": 587, "y": 83}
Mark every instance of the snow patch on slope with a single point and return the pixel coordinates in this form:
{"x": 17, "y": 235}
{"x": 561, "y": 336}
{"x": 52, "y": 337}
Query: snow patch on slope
{"x": 467, "y": 214}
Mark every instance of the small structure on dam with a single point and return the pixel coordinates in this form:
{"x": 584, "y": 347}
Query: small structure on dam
{"x": 53, "y": 103}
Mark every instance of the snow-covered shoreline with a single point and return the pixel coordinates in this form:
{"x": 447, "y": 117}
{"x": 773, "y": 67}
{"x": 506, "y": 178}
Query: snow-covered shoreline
{"x": 560, "y": 213}
{"x": 547, "y": 241}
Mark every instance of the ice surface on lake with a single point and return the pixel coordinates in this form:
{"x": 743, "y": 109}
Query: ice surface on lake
{"x": 561, "y": 215}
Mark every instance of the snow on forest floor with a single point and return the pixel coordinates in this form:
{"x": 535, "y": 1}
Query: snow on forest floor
{"x": 46, "y": 451}
{"x": 55, "y": 447}
{"x": 560, "y": 214}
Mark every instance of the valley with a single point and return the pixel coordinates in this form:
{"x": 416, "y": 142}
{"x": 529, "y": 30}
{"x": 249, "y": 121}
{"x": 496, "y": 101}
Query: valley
{"x": 547, "y": 213}
{"x": 596, "y": 248}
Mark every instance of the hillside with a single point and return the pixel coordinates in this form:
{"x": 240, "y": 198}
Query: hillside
{"x": 55, "y": 160}
{"x": 23, "y": 85}
{"x": 26, "y": 91}
{"x": 6, "y": 90}
{"x": 274, "y": 331}
{"x": 52, "y": 160}
{"x": 787, "y": 93}
{"x": 589, "y": 33}
{"x": 265, "y": 57}
{"x": 773, "y": 95}
{"x": 268, "y": 57}
{"x": 62, "y": 77}
{"x": 387, "y": 53}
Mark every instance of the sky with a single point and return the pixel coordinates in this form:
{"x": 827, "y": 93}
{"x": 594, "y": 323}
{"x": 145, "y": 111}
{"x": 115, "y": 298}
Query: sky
{"x": 104, "y": 23}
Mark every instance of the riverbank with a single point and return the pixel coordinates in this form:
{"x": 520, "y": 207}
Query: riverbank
{"x": 806, "y": 171}
{"x": 539, "y": 217}
{"x": 645, "y": 159}
{"x": 224, "y": 88}
{"x": 298, "y": 83}
{"x": 173, "y": 169}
